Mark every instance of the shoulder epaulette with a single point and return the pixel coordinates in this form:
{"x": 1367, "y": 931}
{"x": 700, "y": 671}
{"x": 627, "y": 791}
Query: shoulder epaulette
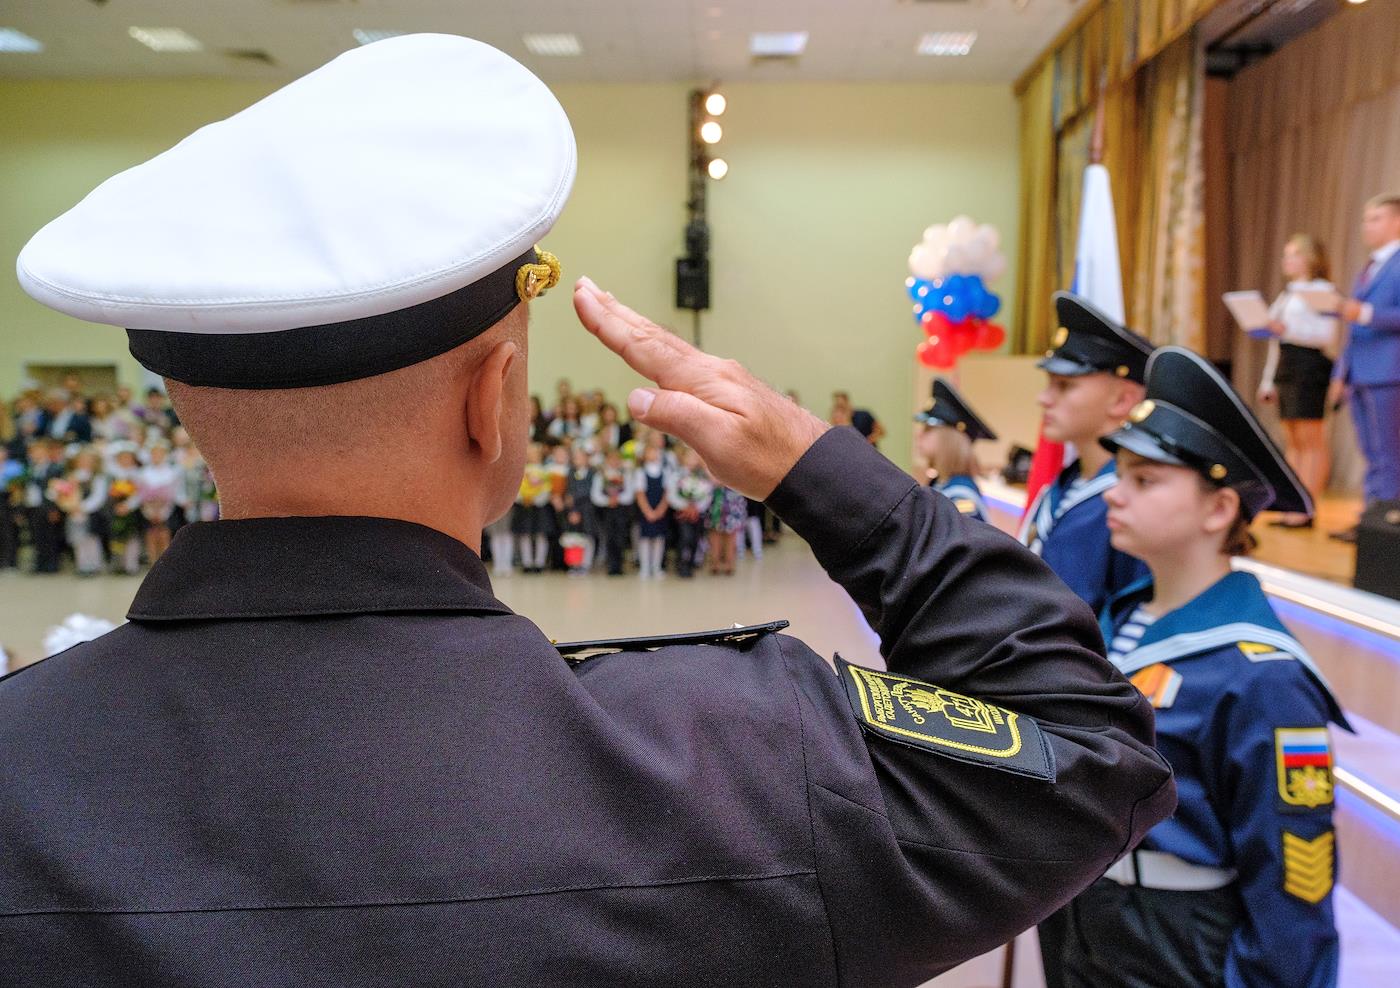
{"x": 740, "y": 636}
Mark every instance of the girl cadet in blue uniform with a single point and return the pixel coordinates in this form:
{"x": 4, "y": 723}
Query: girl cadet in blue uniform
{"x": 1235, "y": 889}
{"x": 950, "y": 429}
{"x": 1095, "y": 373}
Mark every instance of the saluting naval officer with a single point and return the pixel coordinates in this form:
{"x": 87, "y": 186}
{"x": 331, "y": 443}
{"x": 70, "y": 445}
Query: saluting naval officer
{"x": 1094, "y": 376}
{"x": 321, "y": 752}
{"x": 1236, "y": 888}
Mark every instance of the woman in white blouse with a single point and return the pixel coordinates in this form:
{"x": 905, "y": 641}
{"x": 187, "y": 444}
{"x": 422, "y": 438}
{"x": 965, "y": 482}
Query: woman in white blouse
{"x": 1299, "y": 367}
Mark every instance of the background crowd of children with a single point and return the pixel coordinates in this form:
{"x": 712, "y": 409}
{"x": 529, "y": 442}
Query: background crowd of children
{"x": 105, "y": 480}
{"x": 599, "y": 493}
{"x": 101, "y": 478}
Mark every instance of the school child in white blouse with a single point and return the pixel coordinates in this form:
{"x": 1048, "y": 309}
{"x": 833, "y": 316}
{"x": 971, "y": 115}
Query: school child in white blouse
{"x": 530, "y": 522}
{"x": 652, "y": 484}
{"x": 613, "y": 496}
{"x": 690, "y": 501}
{"x": 579, "y": 516}
{"x": 158, "y": 484}
{"x": 81, "y": 505}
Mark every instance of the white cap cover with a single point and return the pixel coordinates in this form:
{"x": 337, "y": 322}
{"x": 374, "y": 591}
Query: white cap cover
{"x": 395, "y": 176}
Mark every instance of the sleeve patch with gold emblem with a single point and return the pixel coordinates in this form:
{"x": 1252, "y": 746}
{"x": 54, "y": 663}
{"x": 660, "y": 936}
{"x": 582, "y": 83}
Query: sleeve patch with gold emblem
{"x": 1304, "y": 759}
{"x": 1308, "y": 866}
{"x": 1159, "y": 683}
{"x": 935, "y": 719}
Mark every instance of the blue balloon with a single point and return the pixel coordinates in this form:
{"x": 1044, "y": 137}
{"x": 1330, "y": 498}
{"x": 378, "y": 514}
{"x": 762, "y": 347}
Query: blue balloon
{"x": 954, "y": 299}
{"x": 919, "y": 289}
{"x": 976, "y": 294}
{"x": 991, "y": 306}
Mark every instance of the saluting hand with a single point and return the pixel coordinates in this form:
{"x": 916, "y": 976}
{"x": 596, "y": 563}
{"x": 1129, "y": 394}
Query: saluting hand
{"x": 748, "y": 435}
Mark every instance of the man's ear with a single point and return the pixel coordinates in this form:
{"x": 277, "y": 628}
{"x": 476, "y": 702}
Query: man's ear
{"x": 486, "y": 394}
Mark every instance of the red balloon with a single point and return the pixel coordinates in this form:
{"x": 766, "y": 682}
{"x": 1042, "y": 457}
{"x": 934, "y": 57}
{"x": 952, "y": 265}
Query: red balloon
{"x": 936, "y": 323}
{"x": 937, "y": 353}
{"x": 990, "y": 336}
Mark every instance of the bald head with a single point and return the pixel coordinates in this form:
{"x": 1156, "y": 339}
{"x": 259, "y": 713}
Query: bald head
{"x": 453, "y": 417}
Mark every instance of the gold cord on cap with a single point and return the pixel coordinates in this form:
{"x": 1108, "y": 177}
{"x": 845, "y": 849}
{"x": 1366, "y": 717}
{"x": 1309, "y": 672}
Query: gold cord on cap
{"x": 1142, "y": 411}
{"x": 533, "y": 280}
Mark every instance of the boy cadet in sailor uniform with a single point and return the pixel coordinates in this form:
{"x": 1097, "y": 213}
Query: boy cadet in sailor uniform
{"x": 1234, "y": 889}
{"x": 1095, "y": 376}
{"x": 950, "y": 429}
{"x": 322, "y": 751}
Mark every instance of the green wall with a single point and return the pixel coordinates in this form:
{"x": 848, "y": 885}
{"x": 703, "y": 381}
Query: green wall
{"x": 830, "y": 185}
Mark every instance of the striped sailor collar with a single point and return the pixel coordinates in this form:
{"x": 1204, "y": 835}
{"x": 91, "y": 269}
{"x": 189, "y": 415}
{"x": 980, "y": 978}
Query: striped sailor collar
{"x": 1232, "y": 612}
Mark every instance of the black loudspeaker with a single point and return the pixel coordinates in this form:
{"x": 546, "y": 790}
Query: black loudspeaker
{"x": 693, "y": 283}
{"x": 1378, "y": 550}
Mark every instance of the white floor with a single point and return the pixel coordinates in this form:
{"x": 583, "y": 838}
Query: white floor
{"x": 786, "y": 583}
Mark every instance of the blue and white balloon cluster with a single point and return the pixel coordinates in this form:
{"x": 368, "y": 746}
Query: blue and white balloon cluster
{"x": 949, "y": 270}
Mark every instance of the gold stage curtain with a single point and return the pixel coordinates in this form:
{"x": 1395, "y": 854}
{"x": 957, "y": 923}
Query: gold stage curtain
{"x": 1138, "y": 61}
{"x": 1032, "y": 327}
{"x": 1167, "y": 299}
{"x": 1312, "y": 132}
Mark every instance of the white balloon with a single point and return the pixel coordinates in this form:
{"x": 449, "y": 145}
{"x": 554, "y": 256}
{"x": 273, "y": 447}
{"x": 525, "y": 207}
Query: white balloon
{"x": 995, "y": 268}
{"x": 991, "y": 234}
{"x": 961, "y": 229}
{"x": 936, "y": 235}
{"x": 976, "y": 252}
{"x": 957, "y": 259}
{"x": 923, "y": 263}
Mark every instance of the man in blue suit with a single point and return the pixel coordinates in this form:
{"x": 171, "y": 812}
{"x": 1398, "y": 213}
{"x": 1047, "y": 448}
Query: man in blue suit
{"x": 1370, "y": 364}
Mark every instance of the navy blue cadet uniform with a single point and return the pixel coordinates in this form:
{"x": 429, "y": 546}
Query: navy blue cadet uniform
{"x": 1235, "y": 888}
{"x": 1066, "y": 525}
{"x": 322, "y": 752}
{"x": 948, "y": 409}
{"x": 1242, "y": 717}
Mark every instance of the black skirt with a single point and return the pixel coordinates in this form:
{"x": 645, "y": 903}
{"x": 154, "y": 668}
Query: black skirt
{"x": 1302, "y": 378}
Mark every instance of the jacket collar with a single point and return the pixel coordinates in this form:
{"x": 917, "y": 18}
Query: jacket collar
{"x": 292, "y": 567}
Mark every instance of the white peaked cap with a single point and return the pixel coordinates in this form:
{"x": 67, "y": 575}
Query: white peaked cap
{"x": 375, "y": 213}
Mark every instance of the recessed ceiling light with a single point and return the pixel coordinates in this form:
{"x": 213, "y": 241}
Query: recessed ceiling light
{"x": 947, "y": 43}
{"x": 165, "y": 39}
{"x": 369, "y": 37}
{"x": 778, "y": 44}
{"x": 17, "y": 41}
{"x": 553, "y": 44}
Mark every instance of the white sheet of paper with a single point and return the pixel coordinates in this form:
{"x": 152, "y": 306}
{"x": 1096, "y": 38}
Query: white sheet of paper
{"x": 1248, "y": 308}
{"x": 1323, "y": 300}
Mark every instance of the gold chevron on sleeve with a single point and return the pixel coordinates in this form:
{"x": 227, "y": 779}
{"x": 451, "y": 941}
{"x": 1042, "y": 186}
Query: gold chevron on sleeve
{"x": 1308, "y": 866}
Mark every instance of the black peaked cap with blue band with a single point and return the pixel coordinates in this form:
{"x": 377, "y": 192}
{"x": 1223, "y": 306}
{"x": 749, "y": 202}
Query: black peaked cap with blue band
{"x": 1192, "y": 417}
{"x": 1089, "y": 342}
{"x": 375, "y": 213}
{"x": 947, "y": 407}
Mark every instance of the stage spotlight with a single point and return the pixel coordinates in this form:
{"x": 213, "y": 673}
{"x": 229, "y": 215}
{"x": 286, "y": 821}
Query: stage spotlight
{"x": 715, "y": 104}
{"x": 711, "y": 132}
{"x": 718, "y": 168}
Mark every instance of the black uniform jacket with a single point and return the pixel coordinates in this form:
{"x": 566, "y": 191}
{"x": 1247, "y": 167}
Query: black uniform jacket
{"x": 322, "y": 753}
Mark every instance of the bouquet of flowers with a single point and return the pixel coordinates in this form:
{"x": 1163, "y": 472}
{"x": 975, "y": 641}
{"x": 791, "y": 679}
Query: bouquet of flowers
{"x": 65, "y": 494}
{"x": 123, "y": 525}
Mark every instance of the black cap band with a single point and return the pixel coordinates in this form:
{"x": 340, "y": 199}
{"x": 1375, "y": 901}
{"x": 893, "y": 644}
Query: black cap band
{"x": 312, "y": 356}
